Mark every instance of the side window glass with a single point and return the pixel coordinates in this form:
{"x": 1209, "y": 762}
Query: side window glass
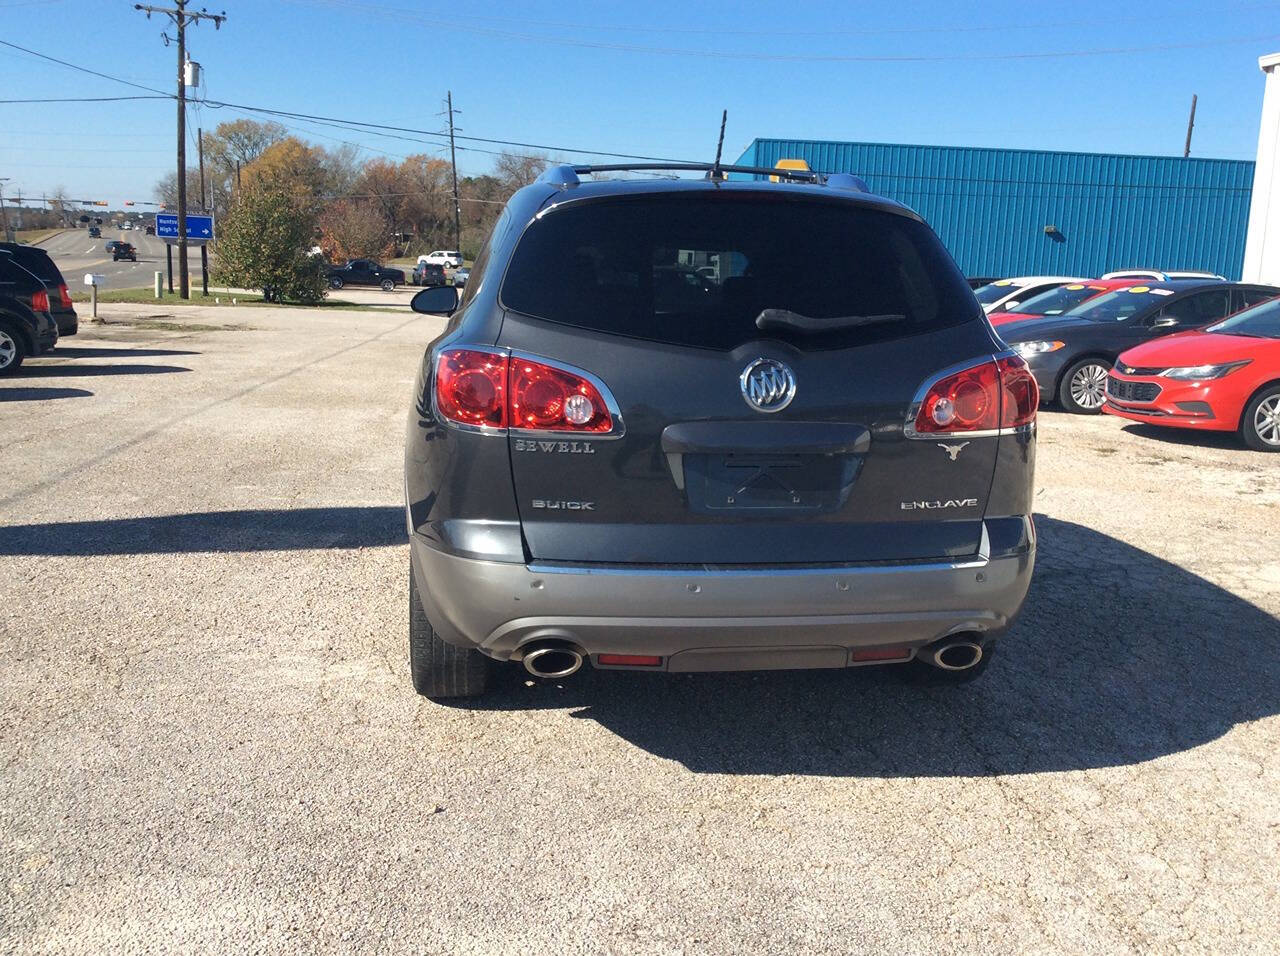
{"x": 476, "y": 278}
{"x": 1199, "y": 309}
{"x": 1256, "y": 296}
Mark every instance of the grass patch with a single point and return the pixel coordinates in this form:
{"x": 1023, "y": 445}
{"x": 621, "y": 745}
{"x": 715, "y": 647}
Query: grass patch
{"x": 29, "y": 236}
{"x": 145, "y": 296}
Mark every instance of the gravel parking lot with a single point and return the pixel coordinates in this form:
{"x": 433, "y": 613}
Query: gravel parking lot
{"x": 209, "y": 740}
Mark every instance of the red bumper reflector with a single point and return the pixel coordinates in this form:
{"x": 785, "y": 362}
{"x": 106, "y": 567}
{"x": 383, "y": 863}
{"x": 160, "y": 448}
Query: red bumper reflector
{"x": 880, "y": 654}
{"x": 630, "y": 660}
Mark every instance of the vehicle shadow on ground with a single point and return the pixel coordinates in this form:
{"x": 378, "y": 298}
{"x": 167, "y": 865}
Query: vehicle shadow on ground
{"x": 292, "y": 529}
{"x": 1119, "y": 657}
{"x": 39, "y": 370}
{"x": 41, "y": 394}
{"x": 1187, "y": 436}
{"x": 74, "y": 352}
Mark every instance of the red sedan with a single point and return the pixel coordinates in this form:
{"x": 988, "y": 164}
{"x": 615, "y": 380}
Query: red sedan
{"x": 1059, "y": 301}
{"x": 1223, "y": 378}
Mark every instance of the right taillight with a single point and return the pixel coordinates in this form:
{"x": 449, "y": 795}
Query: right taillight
{"x": 40, "y": 301}
{"x": 471, "y": 387}
{"x": 1020, "y": 395}
{"x": 996, "y": 393}
{"x": 545, "y": 398}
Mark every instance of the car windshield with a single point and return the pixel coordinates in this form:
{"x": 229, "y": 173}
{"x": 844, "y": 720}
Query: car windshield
{"x": 1262, "y": 320}
{"x": 994, "y": 291}
{"x": 716, "y": 272}
{"x": 1059, "y": 300}
{"x": 1119, "y": 305}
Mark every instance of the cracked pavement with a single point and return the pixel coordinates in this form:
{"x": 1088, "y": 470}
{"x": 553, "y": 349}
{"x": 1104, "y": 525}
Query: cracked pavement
{"x": 209, "y": 741}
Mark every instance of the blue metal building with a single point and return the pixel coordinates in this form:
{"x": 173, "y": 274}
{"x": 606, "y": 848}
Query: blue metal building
{"x": 1008, "y": 212}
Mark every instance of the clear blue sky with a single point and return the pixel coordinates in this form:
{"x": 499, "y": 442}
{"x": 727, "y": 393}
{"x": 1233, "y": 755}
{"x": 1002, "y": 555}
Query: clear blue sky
{"x": 605, "y": 76}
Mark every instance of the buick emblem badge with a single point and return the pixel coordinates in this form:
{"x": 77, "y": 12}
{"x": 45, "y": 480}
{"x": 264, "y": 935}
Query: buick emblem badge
{"x": 767, "y": 385}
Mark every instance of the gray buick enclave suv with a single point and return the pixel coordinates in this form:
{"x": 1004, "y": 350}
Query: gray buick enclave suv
{"x": 711, "y": 424}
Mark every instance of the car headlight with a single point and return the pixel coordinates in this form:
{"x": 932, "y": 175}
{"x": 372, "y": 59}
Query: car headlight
{"x": 1026, "y": 349}
{"x": 1202, "y": 373}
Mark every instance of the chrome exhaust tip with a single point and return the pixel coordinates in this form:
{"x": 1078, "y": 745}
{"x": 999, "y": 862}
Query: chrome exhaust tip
{"x": 552, "y": 660}
{"x": 958, "y": 654}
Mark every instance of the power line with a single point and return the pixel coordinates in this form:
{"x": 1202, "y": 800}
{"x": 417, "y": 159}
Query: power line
{"x": 90, "y": 99}
{"x": 84, "y": 69}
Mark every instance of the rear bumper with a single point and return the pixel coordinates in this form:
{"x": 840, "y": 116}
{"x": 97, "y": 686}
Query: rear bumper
{"x": 732, "y": 619}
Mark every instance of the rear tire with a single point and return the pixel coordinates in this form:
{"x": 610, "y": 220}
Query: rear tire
{"x": 1260, "y": 423}
{"x": 439, "y": 669}
{"x": 13, "y": 349}
{"x": 1082, "y": 389}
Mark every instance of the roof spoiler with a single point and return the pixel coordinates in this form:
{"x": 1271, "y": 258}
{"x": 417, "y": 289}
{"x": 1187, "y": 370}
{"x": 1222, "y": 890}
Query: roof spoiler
{"x": 569, "y": 175}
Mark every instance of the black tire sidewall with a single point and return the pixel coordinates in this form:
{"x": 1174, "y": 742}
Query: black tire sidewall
{"x": 1247, "y": 433}
{"x": 388, "y": 285}
{"x": 1064, "y": 387}
{"x": 335, "y": 283}
{"x": 19, "y": 346}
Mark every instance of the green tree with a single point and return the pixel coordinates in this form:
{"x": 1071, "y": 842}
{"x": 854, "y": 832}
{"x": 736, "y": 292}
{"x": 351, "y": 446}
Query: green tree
{"x": 264, "y": 243}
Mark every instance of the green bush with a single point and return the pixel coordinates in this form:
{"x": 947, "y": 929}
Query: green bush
{"x": 264, "y": 241}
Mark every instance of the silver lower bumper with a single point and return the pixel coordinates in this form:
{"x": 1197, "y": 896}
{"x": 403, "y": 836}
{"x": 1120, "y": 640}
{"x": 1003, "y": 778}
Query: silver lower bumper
{"x": 718, "y": 619}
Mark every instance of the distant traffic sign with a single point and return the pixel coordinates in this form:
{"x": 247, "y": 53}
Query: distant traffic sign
{"x": 199, "y": 228}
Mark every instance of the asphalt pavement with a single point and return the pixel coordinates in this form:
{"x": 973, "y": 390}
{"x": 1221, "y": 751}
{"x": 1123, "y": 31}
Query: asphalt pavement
{"x": 75, "y": 252}
{"x": 209, "y": 741}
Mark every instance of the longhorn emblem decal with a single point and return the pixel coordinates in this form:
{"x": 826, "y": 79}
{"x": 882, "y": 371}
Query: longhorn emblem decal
{"x": 953, "y": 450}
{"x": 767, "y": 385}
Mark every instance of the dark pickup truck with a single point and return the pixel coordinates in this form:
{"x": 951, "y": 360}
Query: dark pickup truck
{"x": 365, "y": 272}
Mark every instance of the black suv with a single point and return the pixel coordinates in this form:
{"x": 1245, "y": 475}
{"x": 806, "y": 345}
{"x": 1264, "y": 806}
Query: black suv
{"x": 26, "y": 325}
{"x": 123, "y": 250}
{"x": 39, "y": 262}
{"x": 429, "y": 273}
{"x": 813, "y": 453}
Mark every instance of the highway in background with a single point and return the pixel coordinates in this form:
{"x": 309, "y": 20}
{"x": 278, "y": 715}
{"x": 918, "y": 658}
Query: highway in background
{"x": 75, "y": 253}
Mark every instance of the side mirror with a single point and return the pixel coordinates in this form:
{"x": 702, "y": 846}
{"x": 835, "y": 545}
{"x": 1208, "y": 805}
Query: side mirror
{"x": 1009, "y": 306}
{"x": 1164, "y": 322}
{"x": 435, "y": 300}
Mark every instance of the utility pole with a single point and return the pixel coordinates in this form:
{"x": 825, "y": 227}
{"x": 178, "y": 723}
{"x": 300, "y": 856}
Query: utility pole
{"x": 1191, "y": 122}
{"x": 204, "y": 208}
{"x": 453, "y": 159}
{"x": 4, "y": 213}
{"x": 181, "y": 17}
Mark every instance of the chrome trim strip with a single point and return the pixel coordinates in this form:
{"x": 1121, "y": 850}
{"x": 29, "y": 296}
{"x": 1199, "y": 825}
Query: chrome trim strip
{"x": 977, "y": 562}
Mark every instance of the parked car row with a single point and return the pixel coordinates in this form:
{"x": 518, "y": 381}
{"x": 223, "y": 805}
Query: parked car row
{"x": 1092, "y": 346}
{"x": 428, "y": 272}
{"x": 35, "y": 305}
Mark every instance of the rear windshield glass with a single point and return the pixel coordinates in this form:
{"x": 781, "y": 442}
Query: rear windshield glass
{"x": 1059, "y": 300}
{"x": 717, "y": 272}
{"x": 39, "y": 263}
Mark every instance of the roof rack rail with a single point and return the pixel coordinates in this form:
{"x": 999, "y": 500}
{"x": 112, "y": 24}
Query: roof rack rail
{"x": 566, "y": 175}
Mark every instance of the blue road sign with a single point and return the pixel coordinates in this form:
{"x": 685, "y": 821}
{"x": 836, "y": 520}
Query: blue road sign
{"x": 199, "y": 228}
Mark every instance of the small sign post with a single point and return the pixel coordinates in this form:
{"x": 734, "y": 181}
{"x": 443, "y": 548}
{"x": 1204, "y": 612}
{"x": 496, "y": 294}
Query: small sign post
{"x": 93, "y": 280}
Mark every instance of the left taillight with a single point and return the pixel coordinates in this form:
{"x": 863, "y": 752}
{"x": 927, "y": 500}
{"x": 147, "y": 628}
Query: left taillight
{"x": 492, "y": 389}
{"x": 40, "y": 301}
{"x": 996, "y": 393}
{"x": 65, "y": 295}
{"x": 545, "y": 398}
{"x": 471, "y": 387}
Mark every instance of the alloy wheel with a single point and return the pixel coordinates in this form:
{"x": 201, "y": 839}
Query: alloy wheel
{"x": 8, "y": 349}
{"x": 1266, "y": 420}
{"x": 1088, "y": 386}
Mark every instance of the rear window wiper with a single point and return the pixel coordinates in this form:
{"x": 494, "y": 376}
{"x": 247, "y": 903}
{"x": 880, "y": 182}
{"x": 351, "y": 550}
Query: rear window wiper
{"x": 789, "y": 321}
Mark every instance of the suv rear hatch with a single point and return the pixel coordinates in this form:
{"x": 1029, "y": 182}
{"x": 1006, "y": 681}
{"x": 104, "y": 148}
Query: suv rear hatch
{"x": 668, "y": 302}
{"x": 41, "y": 264}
